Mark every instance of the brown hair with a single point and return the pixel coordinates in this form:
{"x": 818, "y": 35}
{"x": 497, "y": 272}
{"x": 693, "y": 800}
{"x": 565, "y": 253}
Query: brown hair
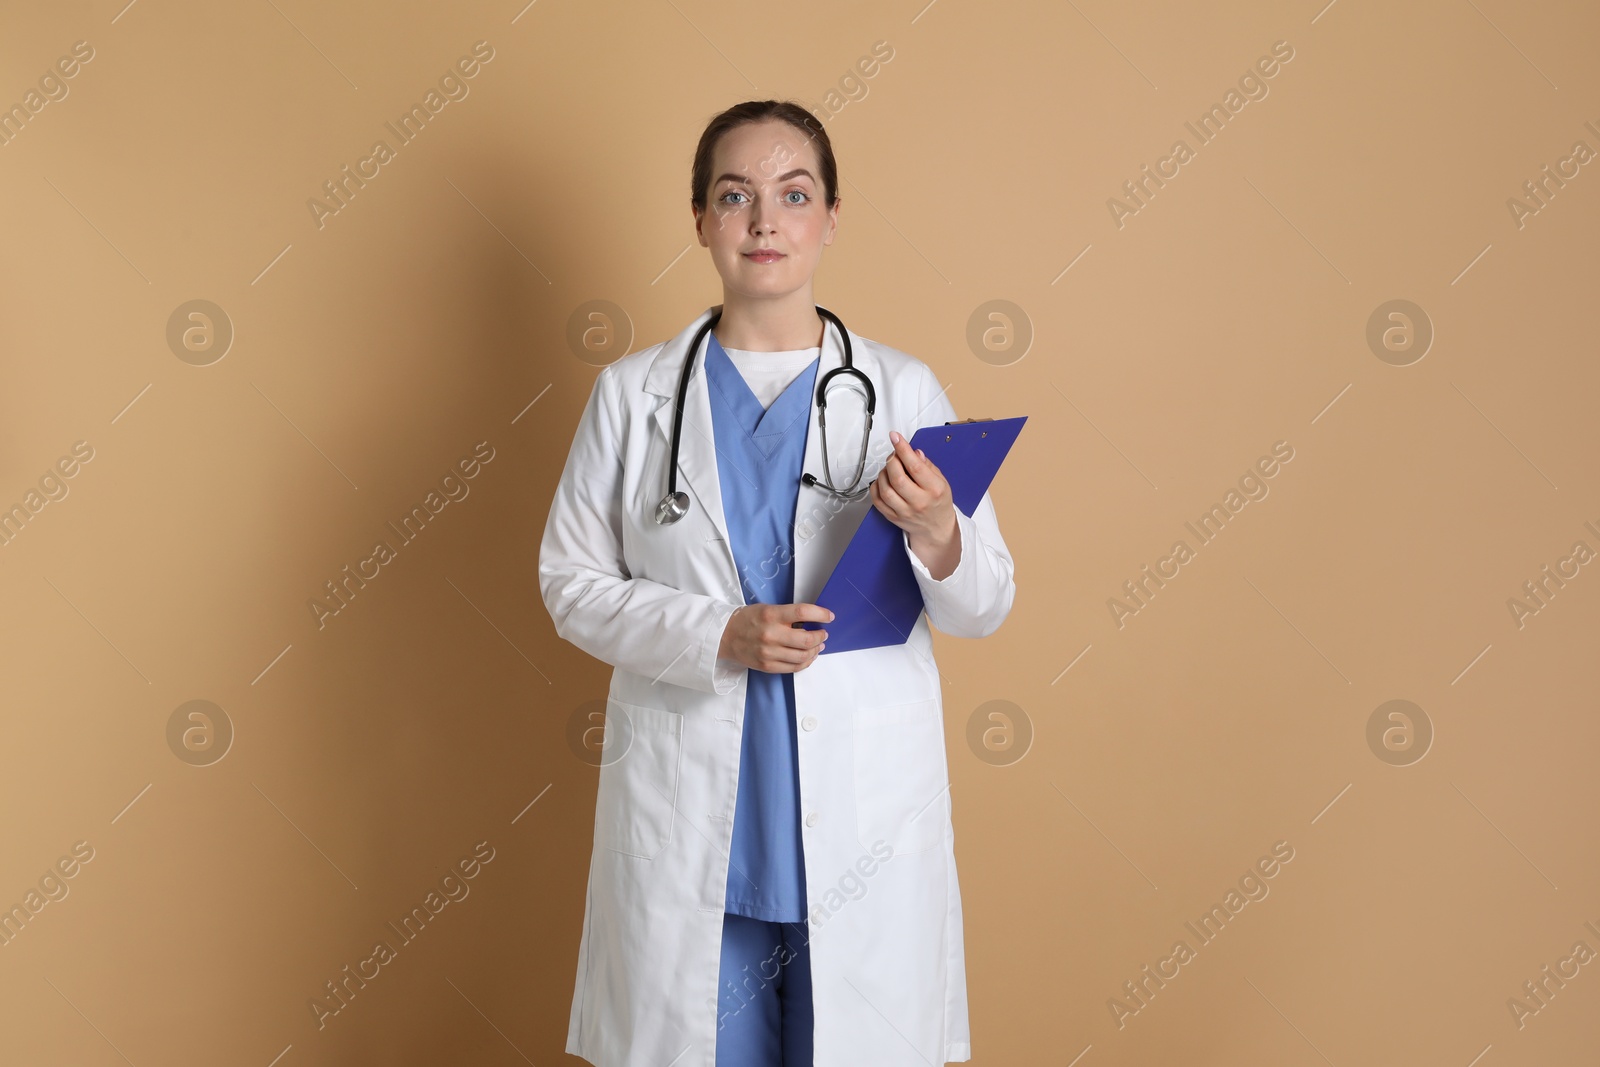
{"x": 760, "y": 111}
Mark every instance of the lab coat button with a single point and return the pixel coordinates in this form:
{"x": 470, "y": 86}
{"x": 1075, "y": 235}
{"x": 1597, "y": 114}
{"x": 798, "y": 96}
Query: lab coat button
{"x": 808, "y": 723}
{"x": 811, "y": 820}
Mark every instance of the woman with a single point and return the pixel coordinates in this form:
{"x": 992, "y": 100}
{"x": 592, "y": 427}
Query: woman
{"x": 773, "y": 878}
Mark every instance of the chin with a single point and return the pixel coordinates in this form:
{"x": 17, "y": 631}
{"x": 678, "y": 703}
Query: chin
{"x": 766, "y": 284}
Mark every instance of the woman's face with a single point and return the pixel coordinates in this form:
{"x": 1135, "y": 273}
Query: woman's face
{"x": 766, "y": 193}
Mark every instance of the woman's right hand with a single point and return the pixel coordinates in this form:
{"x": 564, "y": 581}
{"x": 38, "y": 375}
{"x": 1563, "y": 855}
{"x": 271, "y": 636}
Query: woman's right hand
{"x": 763, "y": 637}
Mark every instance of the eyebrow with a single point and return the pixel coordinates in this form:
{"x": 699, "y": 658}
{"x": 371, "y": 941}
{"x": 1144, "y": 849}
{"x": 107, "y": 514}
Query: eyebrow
{"x": 742, "y": 180}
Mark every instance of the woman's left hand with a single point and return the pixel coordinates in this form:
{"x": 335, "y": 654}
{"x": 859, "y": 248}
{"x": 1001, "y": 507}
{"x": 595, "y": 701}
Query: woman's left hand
{"x": 911, "y": 492}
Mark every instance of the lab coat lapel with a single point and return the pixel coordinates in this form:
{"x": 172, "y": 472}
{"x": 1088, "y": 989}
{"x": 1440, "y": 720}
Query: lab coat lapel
{"x": 697, "y": 460}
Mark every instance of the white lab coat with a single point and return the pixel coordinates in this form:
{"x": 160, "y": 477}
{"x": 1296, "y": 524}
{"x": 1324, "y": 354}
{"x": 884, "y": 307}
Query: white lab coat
{"x": 887, "y": 959}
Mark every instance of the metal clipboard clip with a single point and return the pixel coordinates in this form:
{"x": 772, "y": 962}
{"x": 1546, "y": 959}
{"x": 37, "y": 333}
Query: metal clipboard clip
{"x": 962, "y": 422}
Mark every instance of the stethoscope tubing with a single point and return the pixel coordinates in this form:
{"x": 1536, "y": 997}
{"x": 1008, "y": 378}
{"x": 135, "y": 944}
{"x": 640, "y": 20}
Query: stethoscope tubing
{"x": 669, "y": 510}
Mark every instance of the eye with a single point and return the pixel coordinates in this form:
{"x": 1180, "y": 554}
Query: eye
{"x": 796, "y": 192}
{"x": 730, "y": 192}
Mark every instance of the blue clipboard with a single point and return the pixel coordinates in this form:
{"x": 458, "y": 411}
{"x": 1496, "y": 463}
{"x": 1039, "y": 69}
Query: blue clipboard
{"x": 873, "y": 592}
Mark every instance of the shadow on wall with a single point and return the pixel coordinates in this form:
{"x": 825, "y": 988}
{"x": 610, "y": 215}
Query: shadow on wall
{"x": 413, "y": 719}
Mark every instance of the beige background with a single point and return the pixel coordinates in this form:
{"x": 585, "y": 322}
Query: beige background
{"x": 433, "y": 312}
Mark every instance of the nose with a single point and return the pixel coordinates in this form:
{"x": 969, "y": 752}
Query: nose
{"x": 761, "y": 217}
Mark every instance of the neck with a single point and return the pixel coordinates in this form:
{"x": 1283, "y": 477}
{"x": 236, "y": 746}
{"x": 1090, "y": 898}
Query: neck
{"x": 769, "y": 324}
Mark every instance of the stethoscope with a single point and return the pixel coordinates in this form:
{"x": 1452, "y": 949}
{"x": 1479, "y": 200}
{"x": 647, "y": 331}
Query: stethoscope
{"x": 675, "y": 505}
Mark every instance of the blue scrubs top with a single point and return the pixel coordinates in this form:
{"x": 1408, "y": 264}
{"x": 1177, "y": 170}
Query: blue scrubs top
{"x": 760, "y": 454}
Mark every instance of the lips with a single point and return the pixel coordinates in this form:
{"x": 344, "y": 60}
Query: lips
{"x": 763, "y": 255}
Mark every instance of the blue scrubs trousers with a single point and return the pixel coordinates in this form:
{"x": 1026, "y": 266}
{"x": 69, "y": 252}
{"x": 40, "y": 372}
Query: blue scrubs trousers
{"x": 764, "y": 1002}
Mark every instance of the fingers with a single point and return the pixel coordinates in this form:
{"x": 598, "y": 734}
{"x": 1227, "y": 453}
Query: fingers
{"x": 782, "y": 659}
{"x": 786, "y": 640}
{"x": 909, "y": 463}
{"x": 898, "y": 478}
{"x": 894, "y": 507}
{"x": 789, "y": 660}
{"x": 903, "y": 450}
{"x": 897, "y": 505}
{"x": 771, "y": 644}
{"x": 806, "y": 612}
{"x": 914, "y": 474}
{"x": 776, "y": 626}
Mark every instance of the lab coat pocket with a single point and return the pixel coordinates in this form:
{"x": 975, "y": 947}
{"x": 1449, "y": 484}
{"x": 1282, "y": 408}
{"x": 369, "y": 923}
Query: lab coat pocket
{"x": 900, "y": 779}
{"x": 638, "y": 794}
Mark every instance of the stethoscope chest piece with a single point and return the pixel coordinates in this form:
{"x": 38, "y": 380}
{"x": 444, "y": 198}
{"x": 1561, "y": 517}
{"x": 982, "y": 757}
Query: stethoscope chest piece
{"x": 673, "y": 507}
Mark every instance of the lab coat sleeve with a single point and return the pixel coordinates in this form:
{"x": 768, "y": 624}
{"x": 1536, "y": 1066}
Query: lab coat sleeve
{"x": 663, "y": 633}
{"x": 974, "y": 599}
